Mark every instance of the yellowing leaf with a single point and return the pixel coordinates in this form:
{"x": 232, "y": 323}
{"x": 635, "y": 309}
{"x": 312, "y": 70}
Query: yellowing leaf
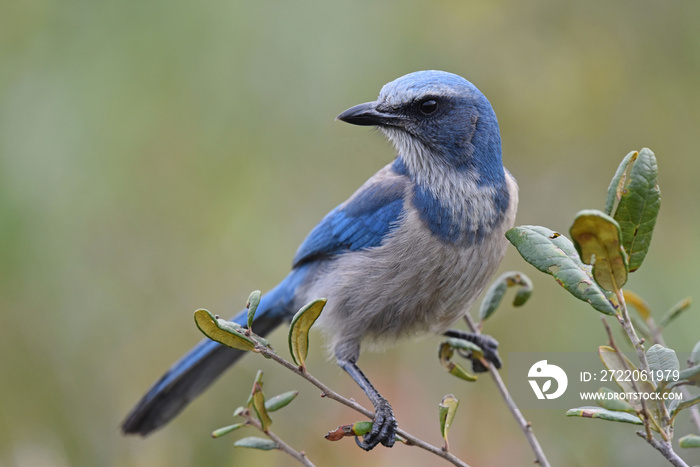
{"x": 638, "y": 303}
{"x": 257, "y": 401}
{"x": 222, "y": 331}
{"x": 299, "y": 330}
{"x": 259, "y": 407}
{"x": 447, "y": 411}
{"x": 445, "y": 353}
{"x": 597, "y": 239}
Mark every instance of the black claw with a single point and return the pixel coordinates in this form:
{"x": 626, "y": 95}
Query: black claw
{"x": 362, "y": 444}
{"x": 488, "y": 345}
{"x": 389, "y": 436}
{"x": 383, "y": 429}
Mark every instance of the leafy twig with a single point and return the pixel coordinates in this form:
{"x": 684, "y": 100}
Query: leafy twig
{"x": 281, "y": 445}
{"x": 664, "y": 446}
{"x": 658, "y": 338}
{"x": 328, "y": 392}
{"x": 644, "y": 411}
{"x": 525, "y": 426}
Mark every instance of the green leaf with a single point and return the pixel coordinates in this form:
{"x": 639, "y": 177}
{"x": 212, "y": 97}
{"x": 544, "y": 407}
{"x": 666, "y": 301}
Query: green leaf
{"x": 689, "y": 441}
{"x": 619, "y": 181}
{"x": 524, "y": 292}
{"x": 492, "y": 298}
{"x": 226, "y": 430}
{"x": 663, "y": 359}
{"x": 614, "y": 403}
{"x": 675, "y": 311}
{"x": 692, "y": 375}
{"x": 222, "y": 331}
{"x": 604, "y": 414}
{"x": 597, "y": 239}
{"x": 463, "y": 344}
{"x": 613, "y": 361}
{"x": 280, "y": 400}
{"x": 640, "y": 200}
{"x": 253, "y": 442}
{"x": 299, "y": 330}
{"x": 685, "y": 404}
{"x": 445, "y": 353}
{"x": 494, "y": 295}
{"x": 672, "y": 407}
{"x": 554, "y": 254}
{"x": 695, "y": 355}
{"x": 447, "y": 411}
{"x": 252, "y": 305}
{"x": 361, "y": 428}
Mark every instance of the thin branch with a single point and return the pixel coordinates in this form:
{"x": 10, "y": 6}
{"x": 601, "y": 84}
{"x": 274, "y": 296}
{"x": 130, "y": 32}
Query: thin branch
{"x": 525, "y": 426}
{"x": 326, "y": 391}
{"x": 631, "y": 333}
{"x": 411, "y": 440}
{"x": 644, "y": 412}
{"x": 666, "y": 450}
{"x": 281, "y": 445}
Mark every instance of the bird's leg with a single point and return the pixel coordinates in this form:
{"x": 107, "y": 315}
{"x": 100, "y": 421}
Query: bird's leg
{"x": 487, "y": 343}
{"x": 384, "y": 425}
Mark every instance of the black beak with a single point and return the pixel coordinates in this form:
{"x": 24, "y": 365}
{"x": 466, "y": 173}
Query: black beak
{"x": 367, "y": 114}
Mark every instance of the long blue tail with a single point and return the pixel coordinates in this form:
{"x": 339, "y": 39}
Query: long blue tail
{"x": 202, "y": 365}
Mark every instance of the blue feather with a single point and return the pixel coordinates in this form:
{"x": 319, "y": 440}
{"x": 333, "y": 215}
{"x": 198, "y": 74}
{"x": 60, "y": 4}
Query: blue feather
{"x": 361, "y": 223}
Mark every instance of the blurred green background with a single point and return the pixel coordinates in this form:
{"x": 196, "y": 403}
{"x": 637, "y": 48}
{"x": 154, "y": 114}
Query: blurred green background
{"x": 161, "y": 156}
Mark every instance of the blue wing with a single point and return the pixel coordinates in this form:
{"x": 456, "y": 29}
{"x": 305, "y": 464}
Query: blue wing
{"x": 360, "y": 223}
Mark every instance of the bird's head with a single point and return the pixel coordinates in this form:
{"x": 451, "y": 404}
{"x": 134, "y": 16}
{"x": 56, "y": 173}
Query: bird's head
{"x": 435, "y": 115}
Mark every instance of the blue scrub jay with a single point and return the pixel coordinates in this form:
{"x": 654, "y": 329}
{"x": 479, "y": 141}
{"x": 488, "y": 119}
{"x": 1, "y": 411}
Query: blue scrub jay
{"x": 407, "y": 253}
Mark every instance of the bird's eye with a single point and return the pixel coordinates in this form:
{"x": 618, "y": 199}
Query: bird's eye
{"x": 428, "y": 107}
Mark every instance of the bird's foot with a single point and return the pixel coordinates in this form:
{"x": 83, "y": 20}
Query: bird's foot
{"x": 383, "y": 428}
{"x": 488, "y": 345}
